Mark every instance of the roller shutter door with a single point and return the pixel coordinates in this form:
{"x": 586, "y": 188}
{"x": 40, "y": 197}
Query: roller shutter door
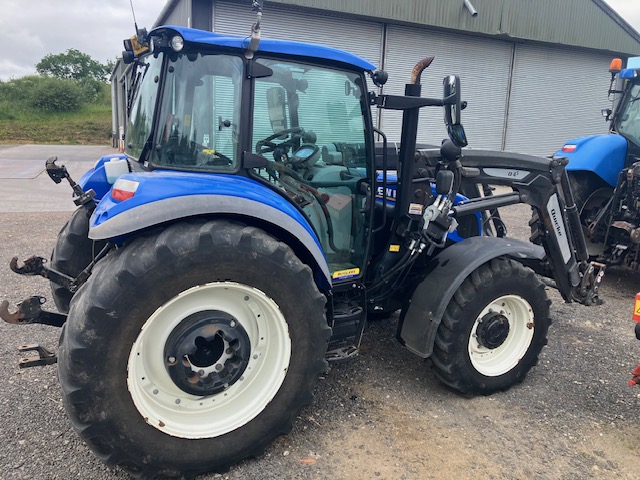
{"x": 483, "y": 66}
{"x": 557, "y": 94}
{"x": 355, "y": 36}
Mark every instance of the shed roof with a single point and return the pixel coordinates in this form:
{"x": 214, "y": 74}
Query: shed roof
{"x": 590, "y": 24}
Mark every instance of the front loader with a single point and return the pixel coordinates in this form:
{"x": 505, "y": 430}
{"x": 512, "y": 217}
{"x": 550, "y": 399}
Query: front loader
{"x": 211, "y": 272}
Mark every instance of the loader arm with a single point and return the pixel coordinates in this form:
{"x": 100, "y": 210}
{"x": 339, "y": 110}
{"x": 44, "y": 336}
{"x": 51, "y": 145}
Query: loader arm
{"x": 541, "y": 183}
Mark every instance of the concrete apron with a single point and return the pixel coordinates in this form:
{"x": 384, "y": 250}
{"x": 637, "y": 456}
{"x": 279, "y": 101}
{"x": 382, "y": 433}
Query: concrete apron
{"x": 25, "y": 186}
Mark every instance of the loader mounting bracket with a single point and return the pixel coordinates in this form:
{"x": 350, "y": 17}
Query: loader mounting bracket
{"x": 40, "y": 358}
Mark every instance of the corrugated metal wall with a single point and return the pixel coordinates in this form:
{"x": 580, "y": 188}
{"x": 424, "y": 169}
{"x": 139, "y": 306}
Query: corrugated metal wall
{"x": 483, "y": 66}
{"x": 583, "y": 23}
{"x": 359, "y": 37}
{"x": 556, "y": 95}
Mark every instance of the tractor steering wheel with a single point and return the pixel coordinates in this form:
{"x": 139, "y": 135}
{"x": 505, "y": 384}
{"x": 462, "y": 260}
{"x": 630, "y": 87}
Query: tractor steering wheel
{"x": 267, "y": 144}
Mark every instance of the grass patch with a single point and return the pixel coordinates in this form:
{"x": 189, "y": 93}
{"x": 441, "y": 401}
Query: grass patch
{"x": 89, "y": 126}
{"x": 45, "y": 110}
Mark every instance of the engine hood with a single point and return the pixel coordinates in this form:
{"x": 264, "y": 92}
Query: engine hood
{"x": 602, "y": 154}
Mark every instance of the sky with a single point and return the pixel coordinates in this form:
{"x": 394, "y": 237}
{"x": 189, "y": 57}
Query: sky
{"x": 30, "y": 29}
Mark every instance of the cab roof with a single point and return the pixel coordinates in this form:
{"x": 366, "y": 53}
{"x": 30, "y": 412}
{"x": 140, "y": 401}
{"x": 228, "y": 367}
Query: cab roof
{"x": 191, "y": 35}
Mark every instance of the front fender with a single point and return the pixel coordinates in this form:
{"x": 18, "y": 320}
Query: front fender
{"x": 419, "y": 322}
{"x": 602, "y": 154}
{"x": 165, "y": 196}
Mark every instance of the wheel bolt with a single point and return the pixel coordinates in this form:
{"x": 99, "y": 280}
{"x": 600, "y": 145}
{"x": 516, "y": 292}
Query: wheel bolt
{"x": 171, "y": 359}
{"x": 218, "y": 367}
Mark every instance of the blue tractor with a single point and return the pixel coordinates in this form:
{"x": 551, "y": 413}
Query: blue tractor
{"x": 212, "y": 270}
{"x": 604, "y": 172}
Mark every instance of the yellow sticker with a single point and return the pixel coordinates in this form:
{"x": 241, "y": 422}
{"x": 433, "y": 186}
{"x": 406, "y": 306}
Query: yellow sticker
{"x": 394, "y": 248}
{"x": 636, "y": 310}
{"x": 342, "y": 274}
{"x": 415, "y": 209}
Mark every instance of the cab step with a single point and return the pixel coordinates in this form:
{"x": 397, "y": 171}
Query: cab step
{"x": 342, "y": 354}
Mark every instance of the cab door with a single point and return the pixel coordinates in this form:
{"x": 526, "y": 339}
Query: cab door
{"x": 313, "y": 125}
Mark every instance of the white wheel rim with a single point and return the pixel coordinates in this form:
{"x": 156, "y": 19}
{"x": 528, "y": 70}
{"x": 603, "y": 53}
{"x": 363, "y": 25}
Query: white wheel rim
{"x": 173, "y": 411}
{"x": 493, "y": 362}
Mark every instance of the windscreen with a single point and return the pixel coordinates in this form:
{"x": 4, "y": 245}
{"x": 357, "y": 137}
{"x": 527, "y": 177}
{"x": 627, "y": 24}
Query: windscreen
{"x": 628, "y": 120}
{"x": 144, "y": 91}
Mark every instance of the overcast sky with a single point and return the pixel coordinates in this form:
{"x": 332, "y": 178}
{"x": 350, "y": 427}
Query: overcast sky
{"x": 30, "y": 29}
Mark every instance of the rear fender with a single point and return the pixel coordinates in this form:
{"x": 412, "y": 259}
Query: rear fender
{"x": 420, "y": 320}
{"x": 163, "y": 196}
{"x": 603, "y": 155}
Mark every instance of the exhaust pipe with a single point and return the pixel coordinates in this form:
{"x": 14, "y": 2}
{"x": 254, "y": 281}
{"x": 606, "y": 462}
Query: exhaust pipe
{"x": 469, "y": 6}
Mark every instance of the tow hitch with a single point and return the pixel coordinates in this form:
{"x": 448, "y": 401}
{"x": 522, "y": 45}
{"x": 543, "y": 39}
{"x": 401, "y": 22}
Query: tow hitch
{"x": 30, "y": 311}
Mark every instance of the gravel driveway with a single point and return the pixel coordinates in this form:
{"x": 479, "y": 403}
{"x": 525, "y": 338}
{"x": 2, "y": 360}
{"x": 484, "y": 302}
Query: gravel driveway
{"x": 382, "y": 415}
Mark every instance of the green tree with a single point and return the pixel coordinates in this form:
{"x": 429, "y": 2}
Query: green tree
{"x": 57, "y": 95}
{"x": 73, "y": 65}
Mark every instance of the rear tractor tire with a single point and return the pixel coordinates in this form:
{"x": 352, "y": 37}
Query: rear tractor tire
{"x": 493, "y": 329}
{"x": 189, "y": 350}
{"x": 73, "y": 252}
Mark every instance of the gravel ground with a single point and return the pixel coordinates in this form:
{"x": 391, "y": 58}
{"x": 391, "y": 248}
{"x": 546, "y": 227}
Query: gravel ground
{"x": 382, "y": 415}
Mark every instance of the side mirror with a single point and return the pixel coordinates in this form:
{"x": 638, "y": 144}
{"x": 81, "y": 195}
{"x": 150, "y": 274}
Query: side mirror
{"x": 276, "y": 108}
{"x": 453, "y": 110}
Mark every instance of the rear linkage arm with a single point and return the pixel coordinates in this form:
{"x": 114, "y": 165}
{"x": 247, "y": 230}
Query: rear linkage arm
{"x": 29, "y": 310}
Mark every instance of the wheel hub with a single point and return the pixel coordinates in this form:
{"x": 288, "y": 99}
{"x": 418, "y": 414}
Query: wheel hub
{"x": 207, "y": 353}
{"x": 493, "y": 330}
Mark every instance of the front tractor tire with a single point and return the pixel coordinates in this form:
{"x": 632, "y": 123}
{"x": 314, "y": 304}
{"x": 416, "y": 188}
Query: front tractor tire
{"x": 191, "y": 349}
{"x": 493, "y": 329}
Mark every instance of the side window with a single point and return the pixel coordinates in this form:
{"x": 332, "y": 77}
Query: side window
{"x": 199, "y": 117}
{"x": 326, "y": 104}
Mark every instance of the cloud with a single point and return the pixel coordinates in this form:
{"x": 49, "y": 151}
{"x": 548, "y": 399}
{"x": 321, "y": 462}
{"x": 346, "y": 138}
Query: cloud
{"x": 31, "y": 29}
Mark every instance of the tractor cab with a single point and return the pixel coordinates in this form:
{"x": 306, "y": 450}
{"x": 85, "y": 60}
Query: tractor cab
{"x": 300, "y": 128}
